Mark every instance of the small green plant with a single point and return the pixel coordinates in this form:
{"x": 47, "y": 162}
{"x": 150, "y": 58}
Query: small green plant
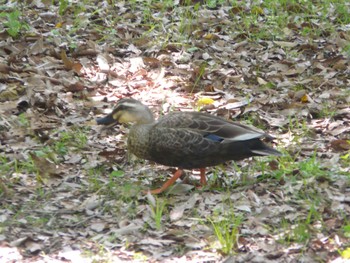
{"x": 188, "y": 18}
{"x": 345, "y": 162}
{"x": 13, "y": 23}
{"x": 342, "y": 11}
{"x": 102, "y": 254}
{"x": 302, "y": 230}
{"x": 140, "y": 257}
{"x": 346, "y": 230}
{"x": 94, "y": 175}
{"x": 5, "y": 165}
{"x": 212, "y": 3}
{"x": 327, "y": 111}
{"x": 301, "y": 233}
{"x": 75, "y": 138}
{"x": 222, "y": 181}
{"x": 37, "y": 221}
{"x": 157, "y": 207}
{"x": 300, "y": 129}
{"x": 308, "y": 168}
{"x": 293, "y": 233}
{"x": 311, "y": 167}
{"x": 60, "y": 148}
{"x": 63, "y": 5}
{"x": 200, "y": 74}
{"x": 116, "y": 174}
{"x": 25, "y": 165}
{"x": 346, "y": 49}
{"x": 23, "y": 120}
{"x": 16, "y": 166}
{"x": 226, "y": 231}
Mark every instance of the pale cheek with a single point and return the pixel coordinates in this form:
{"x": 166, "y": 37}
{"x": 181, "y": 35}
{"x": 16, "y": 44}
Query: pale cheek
{"x": 125, "y": 118}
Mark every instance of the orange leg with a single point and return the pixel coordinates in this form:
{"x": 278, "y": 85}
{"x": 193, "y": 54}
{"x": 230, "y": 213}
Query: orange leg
{"x": 168, "y": 183}
{"x": 203, "y": 179}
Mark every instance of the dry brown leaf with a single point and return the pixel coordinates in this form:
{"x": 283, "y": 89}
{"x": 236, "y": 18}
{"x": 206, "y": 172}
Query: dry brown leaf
{"x": 341, "y": 145}
{"x": 66, "y": 61}
{"x": 151, "y": 62}
{"x": 70, "y": 64}
{"x": 45, "y": 167}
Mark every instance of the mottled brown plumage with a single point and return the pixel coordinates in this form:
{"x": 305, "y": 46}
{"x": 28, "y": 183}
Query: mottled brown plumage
{"x": 187, "y": 140}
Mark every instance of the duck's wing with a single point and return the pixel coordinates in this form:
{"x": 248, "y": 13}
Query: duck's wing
{"x": 211, "y": 126}
{"x": 188, "y": 148}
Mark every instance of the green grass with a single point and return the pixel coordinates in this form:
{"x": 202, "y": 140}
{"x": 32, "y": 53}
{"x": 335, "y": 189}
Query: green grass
{"x": 76, "y": 138}
{"x": 299, "y": 232}
{"x": 37, "y": 221}
{"x": 346, "y": 230}
{"x": 13, "y": 23}
{"x": 157, "y": 207}
{"x": 94, "y": 178}
{"x": 113, "y": 185}
{"x": 267, "y": 20}
{"x": 23, "y": 120}
{"x": 8, "y": 166}
{"x": 306, "y": 176}
{"x": 302, "y": 230}
{"x": 345, "y": 162}
{"x": 299, "y": 170}
{"x": 226, "y": 231}
{"x": 199, "y": 75}
{"x": 72, "y": 140}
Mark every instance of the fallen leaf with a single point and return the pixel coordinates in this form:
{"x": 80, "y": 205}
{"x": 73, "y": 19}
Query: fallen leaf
{"x": 340, "y": 145}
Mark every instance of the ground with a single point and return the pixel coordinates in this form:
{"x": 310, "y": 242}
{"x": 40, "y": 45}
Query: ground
{"x": 71, "y": 192}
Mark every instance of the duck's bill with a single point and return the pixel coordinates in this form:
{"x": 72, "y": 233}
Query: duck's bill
{"x": 106, "y": 120}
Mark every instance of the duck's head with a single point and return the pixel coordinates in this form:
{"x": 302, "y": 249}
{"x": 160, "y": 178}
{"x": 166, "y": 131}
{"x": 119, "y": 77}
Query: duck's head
{"x": 128, "y": 110}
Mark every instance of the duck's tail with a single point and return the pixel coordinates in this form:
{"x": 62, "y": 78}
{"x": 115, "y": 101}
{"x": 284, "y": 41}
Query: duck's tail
{"x": 261, "y": 149}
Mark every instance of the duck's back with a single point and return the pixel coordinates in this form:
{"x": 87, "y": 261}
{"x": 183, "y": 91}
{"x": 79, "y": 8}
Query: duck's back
{"x": 194, "y": 140}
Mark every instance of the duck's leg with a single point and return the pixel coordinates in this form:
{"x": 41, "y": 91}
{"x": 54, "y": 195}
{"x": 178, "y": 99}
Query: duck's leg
{"x": 203, "y": 179}
{"x": 168, "y": 183}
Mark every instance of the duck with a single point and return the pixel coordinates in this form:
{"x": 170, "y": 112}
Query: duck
{"x": 186, "y": 140}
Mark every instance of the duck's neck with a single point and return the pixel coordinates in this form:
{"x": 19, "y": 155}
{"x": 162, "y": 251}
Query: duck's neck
{"x": 145, "y": 117}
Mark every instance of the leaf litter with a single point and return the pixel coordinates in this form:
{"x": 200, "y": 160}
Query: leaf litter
{"x": 61, "y": 197}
